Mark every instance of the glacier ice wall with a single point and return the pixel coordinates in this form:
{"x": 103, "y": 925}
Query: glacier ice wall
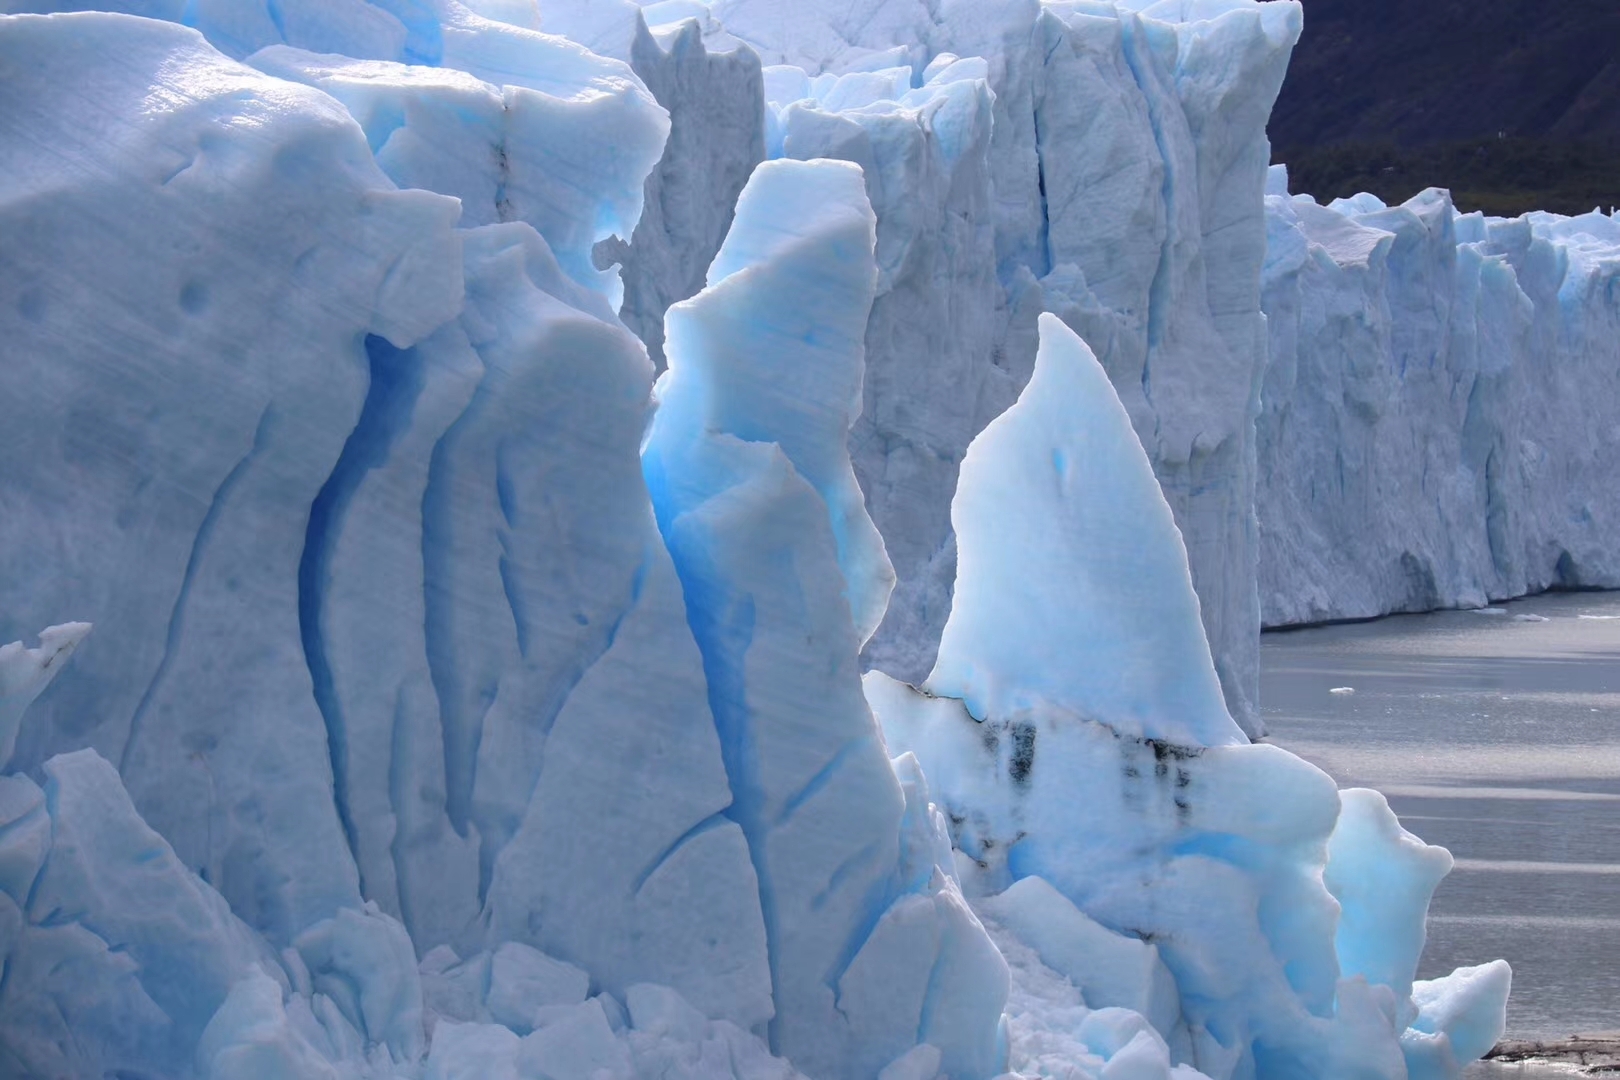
{"x": 413, "y": 746}
{"x": 462, "y": 703}
{"x": 1104, "y": 162}
{"x": 1101, "y": 161}
{"x": 785, "y": 577}
{"x": 1437, "y": 428}
{"x": 356, "y": 501}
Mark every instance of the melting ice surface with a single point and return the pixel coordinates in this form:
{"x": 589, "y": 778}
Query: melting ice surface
{"x": 461, "y": 704}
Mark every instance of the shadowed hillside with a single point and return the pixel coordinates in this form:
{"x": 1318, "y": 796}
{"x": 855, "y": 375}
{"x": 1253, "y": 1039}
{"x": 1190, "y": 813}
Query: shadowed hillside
{"x": 1513, "y": 104}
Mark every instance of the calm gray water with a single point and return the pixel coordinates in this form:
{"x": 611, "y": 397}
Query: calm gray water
{"x": 1497, "y": 736}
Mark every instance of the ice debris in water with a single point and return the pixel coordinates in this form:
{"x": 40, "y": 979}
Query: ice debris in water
{"x": 462, "y": 707}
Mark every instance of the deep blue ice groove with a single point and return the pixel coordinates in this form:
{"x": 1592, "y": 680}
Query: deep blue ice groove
{"x": 723, "y": 626}
{"x": 199, "y": 546}
{"x": 438, "y": 577}
{"x": 505, "y": 493}
{"x": 397, "y": 379}
{"x": 514, "y": 596}
{"x": 880, "y": 897}
{"x": 273, "y": 9}
{"x": 1040, "y": 180}
{"x": 494, "y": 833}
{"x": 1158, "y": 290}
{"x": 399, "y": 755}
{"x": 708, "y": 824}
{"x": 824, "y": 776}
{"x": 424, "y": 43}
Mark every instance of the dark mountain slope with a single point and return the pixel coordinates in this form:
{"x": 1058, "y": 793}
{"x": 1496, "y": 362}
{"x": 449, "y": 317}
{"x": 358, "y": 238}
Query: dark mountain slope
{"x": 1513, "y": 104}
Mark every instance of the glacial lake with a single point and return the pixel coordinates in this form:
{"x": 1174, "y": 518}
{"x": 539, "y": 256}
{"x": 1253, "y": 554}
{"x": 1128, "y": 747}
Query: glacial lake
{"x": 1497, "y": 736}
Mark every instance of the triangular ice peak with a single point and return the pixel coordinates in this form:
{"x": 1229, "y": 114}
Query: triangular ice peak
{"x": 1072, "y": 586}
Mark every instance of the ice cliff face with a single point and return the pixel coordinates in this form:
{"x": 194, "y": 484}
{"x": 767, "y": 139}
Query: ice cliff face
{"x": 398, "y": 657}
{"x": 1436, "y": 428}
{"x": 463, "y": 703}
{"x": 1103, "y": 162}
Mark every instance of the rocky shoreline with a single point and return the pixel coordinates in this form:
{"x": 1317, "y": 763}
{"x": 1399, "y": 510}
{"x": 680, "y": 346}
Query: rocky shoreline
{"x": 1597, "y": 1054}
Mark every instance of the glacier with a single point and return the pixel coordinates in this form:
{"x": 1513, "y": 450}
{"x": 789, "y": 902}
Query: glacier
{"x": 499, "y": 469}
{"x": 1437, "y": 429}
{"x": 1075, "y": 158}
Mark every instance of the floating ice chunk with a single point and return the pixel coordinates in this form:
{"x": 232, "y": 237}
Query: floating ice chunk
{"x": 1459, "y": 1018}
{"x": 1344, "y": 690}
{"x": 1529, "y": 617}
{"x": 1073, "y": 590}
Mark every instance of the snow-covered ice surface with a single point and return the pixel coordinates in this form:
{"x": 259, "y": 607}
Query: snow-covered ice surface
{"x": 462, "y": 704}
{"x": 1439, "y": 425}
